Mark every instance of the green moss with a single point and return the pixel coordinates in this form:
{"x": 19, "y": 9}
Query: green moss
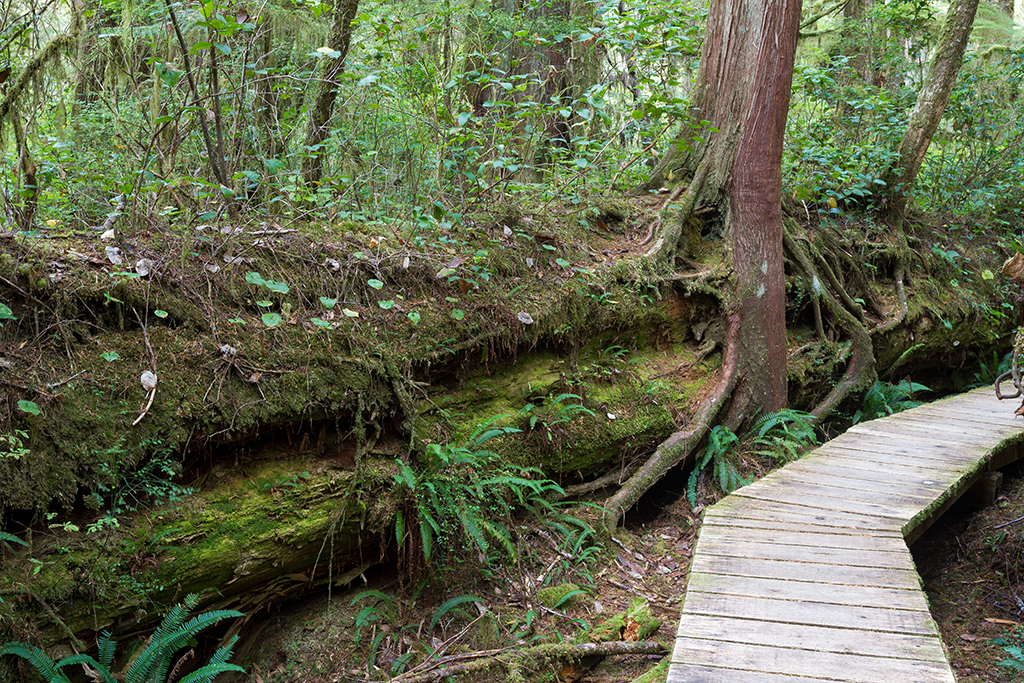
{"x": 554, "y": 597}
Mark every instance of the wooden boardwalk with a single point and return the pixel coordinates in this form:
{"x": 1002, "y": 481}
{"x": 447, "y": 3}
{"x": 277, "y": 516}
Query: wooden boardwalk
{"x": 805, "y": 575}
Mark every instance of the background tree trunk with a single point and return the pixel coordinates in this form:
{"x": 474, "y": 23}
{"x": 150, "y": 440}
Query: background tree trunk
{"x": 320, "y": 113}
{"x": 931, "y": 102}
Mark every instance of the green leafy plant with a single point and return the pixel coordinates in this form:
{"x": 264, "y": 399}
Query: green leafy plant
{"x": 462, "y": 498}
{"x": 29, "y": 407}
{"x": 119, "y": 492}
{"x": 12, "y": 445}
{"x": 156, "y": 659}
{"x": 721, "y": 448}
{"x": 547, "y": 418}
{"x": 784, "y": 435}
{"x": 1015, "y": 662}
{"x": 382, "y": 618}
{"x": 886, "y": 399}
{"x": 6, "y": 539}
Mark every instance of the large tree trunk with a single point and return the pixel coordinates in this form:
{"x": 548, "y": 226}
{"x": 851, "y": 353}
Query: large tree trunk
{"x": 931, "y": 102}
{"x": 744, "y": 81}
{"x": 319, "y": 129}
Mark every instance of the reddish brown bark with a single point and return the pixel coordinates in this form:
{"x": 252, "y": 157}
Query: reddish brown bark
{"x": 748, "y": 73}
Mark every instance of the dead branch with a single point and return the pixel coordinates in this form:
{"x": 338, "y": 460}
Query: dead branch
{"x": 677, "y": 447}
{"x": 486, "y": 659}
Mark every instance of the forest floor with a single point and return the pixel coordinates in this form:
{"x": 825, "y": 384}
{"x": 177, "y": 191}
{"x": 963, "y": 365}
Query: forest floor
{"x": 318, "y": 640}
{"x": 971, "y": 565}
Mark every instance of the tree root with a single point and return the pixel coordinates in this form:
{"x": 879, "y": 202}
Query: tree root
{"x": 902, "y": 313}
{"x": 610, "y": 479}
{"x": 455, "y": 665}
{"x": 677, "y": 447}
{"x": 665, "y": 245}
{"x": 860, "y": 372}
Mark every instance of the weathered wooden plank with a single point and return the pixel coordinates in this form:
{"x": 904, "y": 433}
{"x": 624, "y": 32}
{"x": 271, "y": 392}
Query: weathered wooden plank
{"x": 849, "y": 668}
{"x": 780, "y": 589}
{"x": 806, "y": 571}
{"x": 811, "y": 613}
{"x": 826, "y": 504}
{"x": 900, "y": 488}
{"x": 684, "y": 673}
{"x": 800, "y": 537}
{"x": 949, "y": 422}
{"x": 822, "y": 638}
{"x": 799, "y": 512}
{"x": 909, "y": 428}
{"x": 912, "y": 447}
{"x": 766, "y": 549}
{"x": 877, "y": 452}
{"x": 769, "y": 525}
{"x": 1003, "y": 416}
{"x": 902, "y": 507}
{"x": 908, "y": 477}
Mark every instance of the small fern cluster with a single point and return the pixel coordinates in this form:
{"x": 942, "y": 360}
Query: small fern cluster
{"x": 784, "y": 435}
{"x": 884, "y": 399}
{"x": 781, "y": 436}
{"x": 462, "y": 498}
{"x": 722, "y": 443}
{"x": 152, "y": 663}
{"x": 1015, "y": 662}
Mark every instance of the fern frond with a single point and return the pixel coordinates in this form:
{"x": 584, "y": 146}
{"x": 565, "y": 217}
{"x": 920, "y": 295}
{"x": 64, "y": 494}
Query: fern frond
{"x": 11, "y": 538}
{"x": 107, "y": 648}
{"x": 42, "y": 662}
{"x": 449, "y": 605}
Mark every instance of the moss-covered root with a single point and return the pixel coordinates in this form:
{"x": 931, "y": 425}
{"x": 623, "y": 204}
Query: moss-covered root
{"x": 532, "y": 657}
{"x": 860, "y": 372}
{"x": 675, "y": 448}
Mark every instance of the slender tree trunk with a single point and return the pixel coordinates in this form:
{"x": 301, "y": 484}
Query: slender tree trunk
{"x": 931, "y": 102}
{"x": 318, "y": 128}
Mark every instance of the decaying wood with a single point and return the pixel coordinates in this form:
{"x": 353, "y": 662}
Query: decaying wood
{"x": 457, "y": 665}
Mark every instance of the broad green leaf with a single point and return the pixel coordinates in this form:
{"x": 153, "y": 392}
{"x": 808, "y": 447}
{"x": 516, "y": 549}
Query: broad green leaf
{"x": 458, "y": 314}
{"x": 376, "y": 284}
{"x": 110, "y": 356}
{"x": 29, "y": 407}
{"x": 328, "y": 303}
{"x": 271, "y": 319}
